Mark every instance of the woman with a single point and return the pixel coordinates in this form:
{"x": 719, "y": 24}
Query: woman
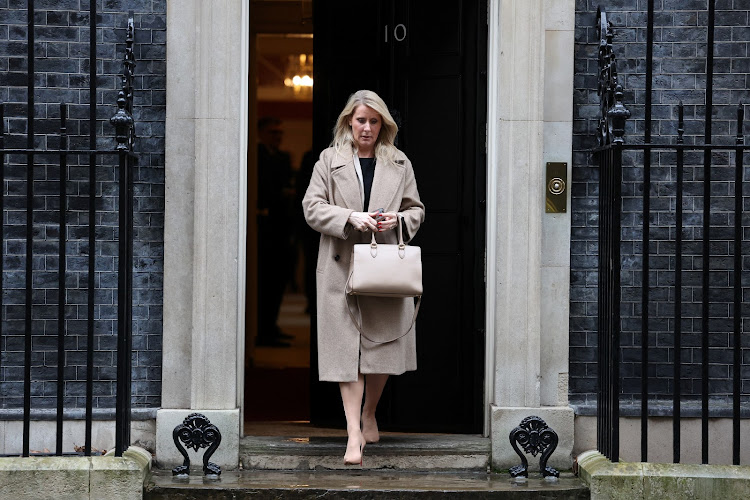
{"x": 360, "y": 173}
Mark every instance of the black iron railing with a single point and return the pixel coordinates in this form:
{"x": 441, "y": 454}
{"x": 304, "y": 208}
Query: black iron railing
{"x": 125, "y": 136}
{"x": 610, "y": 135}
{"x": 609, "y": 155}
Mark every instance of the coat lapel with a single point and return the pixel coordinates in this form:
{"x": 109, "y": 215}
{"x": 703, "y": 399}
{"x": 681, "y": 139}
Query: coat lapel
{"x": 347, "y": 184}
{"x": 385, "y": 184}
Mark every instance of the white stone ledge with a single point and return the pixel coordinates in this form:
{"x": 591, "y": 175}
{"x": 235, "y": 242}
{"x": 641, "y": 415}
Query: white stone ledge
{"x": 640, "y": 480}
{"x": 43, "y": 434}
{"x": 660, "y": 439}
{"x": 85, "y": 478}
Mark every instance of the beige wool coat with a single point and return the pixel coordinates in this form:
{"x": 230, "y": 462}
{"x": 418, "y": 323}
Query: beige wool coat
{"x": 333, "y": 194}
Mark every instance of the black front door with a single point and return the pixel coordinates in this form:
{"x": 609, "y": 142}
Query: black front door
{"x": 428, "y": 62}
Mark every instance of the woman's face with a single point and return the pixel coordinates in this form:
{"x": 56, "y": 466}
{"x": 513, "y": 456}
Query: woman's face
{"x": 365, "y": 124}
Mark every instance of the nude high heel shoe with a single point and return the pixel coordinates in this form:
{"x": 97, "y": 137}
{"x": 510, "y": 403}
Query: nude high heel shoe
{"x": 361, "y": 453}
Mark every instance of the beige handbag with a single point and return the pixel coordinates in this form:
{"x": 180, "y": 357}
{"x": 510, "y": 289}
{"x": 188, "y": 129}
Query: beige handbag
{"x": 385, "y": 270}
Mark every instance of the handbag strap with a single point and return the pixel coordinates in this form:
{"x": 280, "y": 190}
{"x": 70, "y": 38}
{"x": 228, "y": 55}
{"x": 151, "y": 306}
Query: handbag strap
{"x": 359, "y": 327}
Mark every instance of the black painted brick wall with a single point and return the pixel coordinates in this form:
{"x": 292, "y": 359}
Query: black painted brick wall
{"x": 62, "y": 75}
{"x": 679, "y": 73}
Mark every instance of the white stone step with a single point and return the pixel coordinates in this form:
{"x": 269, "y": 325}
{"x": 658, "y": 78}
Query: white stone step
{"x": 411, "y": 452}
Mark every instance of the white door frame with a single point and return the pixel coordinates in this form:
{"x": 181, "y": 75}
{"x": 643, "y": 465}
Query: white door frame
{"x": 493, "y": 69}
{"x": 242, "y": 222}
{"x": 493, "y": 158}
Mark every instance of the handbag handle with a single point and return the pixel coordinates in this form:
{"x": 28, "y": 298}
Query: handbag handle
{"x": 401, "y": 244}
{"x": 359, "y": 327}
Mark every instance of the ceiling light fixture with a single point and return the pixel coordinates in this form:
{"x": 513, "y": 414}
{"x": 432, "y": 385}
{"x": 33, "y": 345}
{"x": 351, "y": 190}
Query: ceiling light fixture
{"x": 299, "y": 72}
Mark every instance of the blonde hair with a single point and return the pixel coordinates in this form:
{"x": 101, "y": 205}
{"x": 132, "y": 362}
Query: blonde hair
{"x": 342, "y": 131}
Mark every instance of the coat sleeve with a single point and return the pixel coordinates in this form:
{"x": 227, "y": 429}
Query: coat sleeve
{"x": 320, "y": 213}
{"x": 412, "y": 208}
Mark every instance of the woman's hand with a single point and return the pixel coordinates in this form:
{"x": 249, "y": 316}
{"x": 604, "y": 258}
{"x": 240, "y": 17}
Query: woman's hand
{"x": 388, "y": 220}
{"x": 362, "y": 221}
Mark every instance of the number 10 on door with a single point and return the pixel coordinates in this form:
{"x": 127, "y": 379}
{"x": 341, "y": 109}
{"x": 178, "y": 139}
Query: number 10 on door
{"x": 399, "y": 33}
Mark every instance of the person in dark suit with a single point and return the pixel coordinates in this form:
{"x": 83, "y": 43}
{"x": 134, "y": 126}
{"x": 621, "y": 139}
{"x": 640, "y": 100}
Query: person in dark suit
{"x": 275, "y": 226}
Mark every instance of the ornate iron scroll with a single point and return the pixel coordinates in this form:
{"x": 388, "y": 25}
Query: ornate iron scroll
{"x": 123, "y": 119}
{"x": 612, "y": 113}
{"x": 535, "y": 436}
{"x": 196, "y": 431}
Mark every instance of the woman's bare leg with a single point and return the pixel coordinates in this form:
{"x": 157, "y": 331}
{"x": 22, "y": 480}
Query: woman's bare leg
{"x": 351, "y": 396}
{"x": 373, "y": 391}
